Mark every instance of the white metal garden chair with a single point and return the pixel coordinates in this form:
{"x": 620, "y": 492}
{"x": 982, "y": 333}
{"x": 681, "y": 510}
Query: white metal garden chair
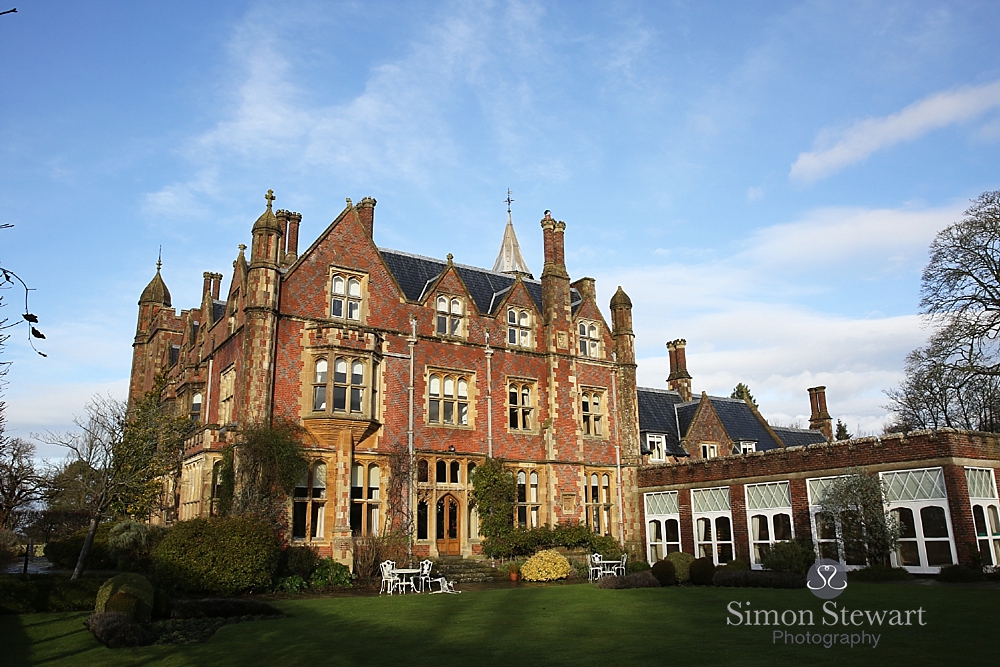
{"x": 620, "y": 569}
{"x": 596, "y": 568}
{"x": 390, "y": 580}
{"x": 424, "y": 578}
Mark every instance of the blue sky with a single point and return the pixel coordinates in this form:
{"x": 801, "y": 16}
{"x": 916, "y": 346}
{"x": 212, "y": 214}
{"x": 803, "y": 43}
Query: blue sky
{"x": 762, "y": 178}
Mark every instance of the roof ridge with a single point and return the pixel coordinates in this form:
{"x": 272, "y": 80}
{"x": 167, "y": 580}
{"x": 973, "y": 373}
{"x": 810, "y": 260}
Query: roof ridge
{"x": 457, "y": 265}
{"x": 658, "y": 391}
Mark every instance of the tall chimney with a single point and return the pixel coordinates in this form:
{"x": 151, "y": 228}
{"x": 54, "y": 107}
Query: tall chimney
{"x": 679, "y": 379}
{"x": 555, "y": 279}
{"x": 282, "y": 216}
{"x": 216, "y": 284}
{"x": 208, "y": 283}
{"x": 292, "y": 243}
{"x": 366, "y": 214}
{"x": 586, "y": 287}
{"x": 820, "y": 419}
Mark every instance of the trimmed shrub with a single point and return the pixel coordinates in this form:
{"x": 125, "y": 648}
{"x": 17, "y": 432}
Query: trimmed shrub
{"x": 636, "y": 566}
{"x": 221, "y": 608}
{"x": 520, "y": 542}
{"x": 759, "y": 579}
{"x": 702, "y": 571}
{"x": 221, "y": 556}
{"x": 644, "y": 579}
{"x": 132, "y": 594}
{"x": 64, "y": 553}
{"x": 329, "y": 572}
{"x": 665, "y": 572}
{"x": 789, "y": 556}
{"x": 736, "y": 565}
{"x": 961, "y": 574}
{"x": 546, "y": 566}
{"x": 682, "y": 563}
{"x": 877, "y": 573}
{"x": 117, "y": 630}
{"x": 299, "y": 560}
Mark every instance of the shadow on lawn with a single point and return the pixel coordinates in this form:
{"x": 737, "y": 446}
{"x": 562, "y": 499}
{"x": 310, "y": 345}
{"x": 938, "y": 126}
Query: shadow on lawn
{"x": 14, "y": 641}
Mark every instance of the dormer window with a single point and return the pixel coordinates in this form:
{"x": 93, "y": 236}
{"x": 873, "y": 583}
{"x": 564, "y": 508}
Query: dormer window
{"x": 518, "y": 327}
{"x": 657, "y": 447}
{"x": 590, "y": 339}
{"x": 450, "y": 312}
{"x": 745, "y": 446}
{"x": 345, "y": 297}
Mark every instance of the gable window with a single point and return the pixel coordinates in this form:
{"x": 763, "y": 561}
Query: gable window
{"x": 521, "y": 405}
{"x": 590, "y": 339}
{"x": 227, "y": 389}
{"x": 745, "y": 446}
{"x": 347, "y": 389}
{"x": 196, "y": 407}
{"x": 345, "y": 297}
{"x": 709, "y": 450}
{"x": 450, "y": 312}
{"x": 448, "y": 399}
{"x": 591, "y": 403}
{"x": 657, "y": 447}
{"x": 309, "y": 504}
{"x": 518, "y": 327}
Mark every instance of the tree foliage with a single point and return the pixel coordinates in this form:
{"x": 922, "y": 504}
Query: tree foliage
{"x": 857, "y": 502}
{"x": 262, "y": 469}
{"x": 742, "y": 391}
{"x": 954, "y": 380}
{"x": 494, "y": 495}
{"x": 841, "y": 432}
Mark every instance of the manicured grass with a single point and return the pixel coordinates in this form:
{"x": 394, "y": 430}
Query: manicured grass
{"x": 558, "y": 625}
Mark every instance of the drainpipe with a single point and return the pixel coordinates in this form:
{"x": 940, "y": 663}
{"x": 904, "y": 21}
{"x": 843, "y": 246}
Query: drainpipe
{"x": 489, "y": 397}
{"x": 618, "y": 454}
{"x": 411, "y": 343}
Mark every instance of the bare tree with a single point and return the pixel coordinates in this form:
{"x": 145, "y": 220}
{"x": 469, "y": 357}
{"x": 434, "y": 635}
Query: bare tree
{"x": 20, "y": 481}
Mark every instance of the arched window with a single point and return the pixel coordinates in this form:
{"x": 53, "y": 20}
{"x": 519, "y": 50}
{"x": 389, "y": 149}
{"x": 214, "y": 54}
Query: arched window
{"x": 521, "y": 405}
{"x": 422, "y": 471}
{"x": 448, "y": 400}
{"x": 518, "y": 327}
{"x": 366, "y": 499}
{"x": 345, "y": 297}
{"x": 196, "y": 407}
{"x": 422, "y": 520}
{"x": 450, "y": 313}
{"x": 598, "y": 503}
{"x": 471, "y": 473}
{"x": 590, "y": 341}
{"x": 591, "y": 412}
{"x": 319, "y": 386}
{"x": 522, "y": 499}
{"x": 441, "y": 472}
{"x": 348, "y": 385}
{"x": 455, "y": 472}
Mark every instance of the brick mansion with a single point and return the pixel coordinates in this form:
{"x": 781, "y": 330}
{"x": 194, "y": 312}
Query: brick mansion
{"x": 374, "y": 351}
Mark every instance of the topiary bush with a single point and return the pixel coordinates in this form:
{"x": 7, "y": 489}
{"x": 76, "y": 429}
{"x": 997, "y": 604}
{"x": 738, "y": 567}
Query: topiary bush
{"x": 521, "y": 542}
{"x": 64, "y": 553}
{"x": 758, "y": 579}
{"x": 789, "y": 556}
{"x": 219, "y": 556}
{"x": 682, "y": 562}
{"x": 126, "y": 593}
{"x": 329, "y": 572}
{"x": 546, "y": 566}
{"x": 665, "y": 572}
{"x": 702, "y": 571}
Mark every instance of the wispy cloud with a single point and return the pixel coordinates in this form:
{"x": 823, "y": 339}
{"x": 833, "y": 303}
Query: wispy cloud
{"x": 839, "y": 149}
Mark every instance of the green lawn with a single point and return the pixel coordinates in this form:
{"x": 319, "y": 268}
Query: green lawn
{"x": 557, "y": 625}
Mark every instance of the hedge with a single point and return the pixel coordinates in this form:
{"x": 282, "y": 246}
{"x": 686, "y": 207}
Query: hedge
{"x": 31, "y": 593}
{"x": 759, "y": 579}
{"x": 524, "y": 542}
{"x": 218, "y": 556}
{"x": 64, "y": 553}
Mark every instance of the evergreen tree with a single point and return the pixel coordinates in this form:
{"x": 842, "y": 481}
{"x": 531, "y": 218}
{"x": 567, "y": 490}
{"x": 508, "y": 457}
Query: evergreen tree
{"x": 742, "y": 391}
{"x": 842, "y": 433}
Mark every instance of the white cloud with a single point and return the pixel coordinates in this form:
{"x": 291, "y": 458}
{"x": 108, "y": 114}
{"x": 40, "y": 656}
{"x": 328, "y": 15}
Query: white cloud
{"x": 837, "y": 150}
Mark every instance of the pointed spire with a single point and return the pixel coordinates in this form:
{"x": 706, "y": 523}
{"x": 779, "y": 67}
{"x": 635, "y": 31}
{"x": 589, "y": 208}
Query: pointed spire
{"x": 510, "y": 260}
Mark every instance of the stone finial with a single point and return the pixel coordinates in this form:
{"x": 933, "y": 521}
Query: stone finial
{"x": 450, "y": 258}
{"x": 270, "y": 198}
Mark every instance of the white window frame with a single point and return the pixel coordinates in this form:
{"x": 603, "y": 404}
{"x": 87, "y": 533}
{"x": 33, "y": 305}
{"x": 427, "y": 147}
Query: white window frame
{"x": 990, "y": 507}
{"x": 838, "y": 541}
{"x": 449, "y": 318}
{"x": 348, "y": 294}
{"x": 518, "y": 327}
{"x": 746, "y": 446}
{"x": 461, "y": 406}
{"x": 713, "y": 545}
{"x": 655, "y": 504}
{"x": 657, "y": 445}
{"x": 709, "y": 450}
{"x": 589, "y": 336}
{"x": 916, "y": 506}
{"x": 769, "y": 508}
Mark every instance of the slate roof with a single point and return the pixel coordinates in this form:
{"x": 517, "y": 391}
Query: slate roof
{"x": 416, "y": 273}
{"x": 793, "y": 437}
{"x": 218, "y": 310}
{"x": 741, "y": 423}
{"x": 657, "y": 415}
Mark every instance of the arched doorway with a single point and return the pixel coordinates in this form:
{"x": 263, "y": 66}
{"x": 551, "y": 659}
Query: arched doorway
{"x": 448, "y": 524}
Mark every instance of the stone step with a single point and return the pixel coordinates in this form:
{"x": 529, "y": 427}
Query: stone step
{"x": 459, "y": 569}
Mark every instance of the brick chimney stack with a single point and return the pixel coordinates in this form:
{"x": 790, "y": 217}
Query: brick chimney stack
{"x": 216, "y": 284}
{"x": 207, "y": 288}
{"x": 292, "y": 239}
{"x": 555, "y": 279}
{"x": 679, "y": 379}
{"x": 366, "y": 214}
{"x": 820, "y": 419}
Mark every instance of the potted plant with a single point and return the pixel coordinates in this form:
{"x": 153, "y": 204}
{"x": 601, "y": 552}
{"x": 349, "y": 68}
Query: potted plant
{"x": 513, "y": 568}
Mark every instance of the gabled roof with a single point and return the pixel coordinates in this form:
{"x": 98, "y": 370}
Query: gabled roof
{"x": 794, "y": 437}
{"x": 657, "y": 415}
{"x": 416, "y": 273}
{"x": 741, "y": 423}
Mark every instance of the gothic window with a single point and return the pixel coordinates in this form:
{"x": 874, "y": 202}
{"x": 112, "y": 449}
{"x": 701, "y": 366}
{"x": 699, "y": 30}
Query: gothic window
{"x": 441, "y": 472}
{"x": 309, "y": 504}
{"x": 366, "y": 503}
{"x": 216, "y": 489}
{"x": 590, "y": 339}
{"x": 450, "y": 313}
{"x": 521, "y": 405}
{"x": 591, "y": 410}
{"x": 448, "y": 399}
{"x": 422, "y": 520}
{"x": 345, "y": 297}
{"x": 423, "y": 471}
{"x": 196, "y": 407}
{"x": 227, "y": 389}
{"x": 598, "y": 502}
{"x": 518, "y": 327}
{"x": 455, "y": 468}
{"x": 347, "y": 388}
{"x": 528, "y": 508}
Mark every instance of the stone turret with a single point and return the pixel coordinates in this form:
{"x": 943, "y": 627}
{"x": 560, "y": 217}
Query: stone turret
{"x": 628, "y": 413}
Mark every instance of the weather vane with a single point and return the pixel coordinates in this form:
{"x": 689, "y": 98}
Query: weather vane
{"x": 508, "y": 199}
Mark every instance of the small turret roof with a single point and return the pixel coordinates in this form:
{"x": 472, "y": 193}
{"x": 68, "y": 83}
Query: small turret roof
{"x": 267, "y": 221}
{"x": 620, "y": 300}
{"x": 156, "y": 291}
{"x": 510, "y": 260}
